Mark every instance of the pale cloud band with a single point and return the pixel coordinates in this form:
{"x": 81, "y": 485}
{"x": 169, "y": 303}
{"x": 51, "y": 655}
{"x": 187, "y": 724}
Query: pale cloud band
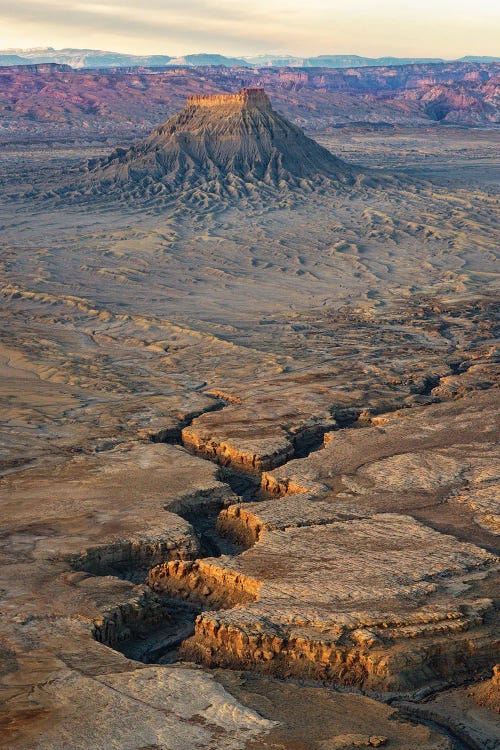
{"x": 447, "y": 28}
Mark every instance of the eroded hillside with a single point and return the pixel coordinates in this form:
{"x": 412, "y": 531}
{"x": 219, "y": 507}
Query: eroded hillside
{"x": 246, "y": 445}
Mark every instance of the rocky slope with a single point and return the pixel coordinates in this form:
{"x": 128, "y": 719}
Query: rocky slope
{"x": 68, "y": 571}
{"x": 231, "y": 145}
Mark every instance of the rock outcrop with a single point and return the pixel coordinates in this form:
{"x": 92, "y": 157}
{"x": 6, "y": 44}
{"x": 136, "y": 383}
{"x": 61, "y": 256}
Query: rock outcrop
{"x": 340, "y": 581}
{"x": 227, "y": 145}
{"x": 356, "y": 602}
{"x": 487, "y": 693}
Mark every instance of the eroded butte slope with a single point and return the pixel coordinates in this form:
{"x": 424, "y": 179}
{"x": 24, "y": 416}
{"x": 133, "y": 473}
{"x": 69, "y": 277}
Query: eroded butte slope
{"x": 228, "y": 145}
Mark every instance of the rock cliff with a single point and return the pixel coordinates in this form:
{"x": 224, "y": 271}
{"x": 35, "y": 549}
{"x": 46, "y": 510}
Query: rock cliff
{"x": 227, "y": 146}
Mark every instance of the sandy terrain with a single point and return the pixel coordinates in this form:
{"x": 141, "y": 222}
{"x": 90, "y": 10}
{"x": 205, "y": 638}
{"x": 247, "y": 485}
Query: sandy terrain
{"x": 280, "y": 415}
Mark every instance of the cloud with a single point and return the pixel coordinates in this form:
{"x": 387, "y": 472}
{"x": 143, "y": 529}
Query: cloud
{"x": 370, "y": 27}
{"x": 189, "y": 21}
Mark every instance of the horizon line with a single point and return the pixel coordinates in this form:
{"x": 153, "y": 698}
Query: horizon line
{"x": 245, "y": 56}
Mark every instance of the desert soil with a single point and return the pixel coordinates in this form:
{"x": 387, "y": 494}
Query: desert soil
{"x": 249, "y": 464}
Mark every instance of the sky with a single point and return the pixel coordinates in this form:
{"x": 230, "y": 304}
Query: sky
{"x": 419, "y": 28}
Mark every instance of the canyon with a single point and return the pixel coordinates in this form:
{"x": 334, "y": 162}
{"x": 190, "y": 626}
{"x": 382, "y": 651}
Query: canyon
{"x": 50, "y": 102}
{"x": 249, "y": 449}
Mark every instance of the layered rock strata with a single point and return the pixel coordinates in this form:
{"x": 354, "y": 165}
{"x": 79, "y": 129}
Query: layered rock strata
{"x": 340, "y": 582}
{"x": 357, "y": 602}
{"x": 277, "y": 418}
{"x": 230, "y": 146}
{"x": 65, "y": 530}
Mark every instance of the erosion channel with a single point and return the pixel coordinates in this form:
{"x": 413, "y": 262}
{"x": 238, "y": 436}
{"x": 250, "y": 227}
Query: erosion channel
{"x": 174, "y": 614}
{"x": 184, "y": 591}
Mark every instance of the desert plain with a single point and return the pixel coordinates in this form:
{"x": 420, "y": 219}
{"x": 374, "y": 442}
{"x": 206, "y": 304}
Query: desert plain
{"x": 249, "y": 450}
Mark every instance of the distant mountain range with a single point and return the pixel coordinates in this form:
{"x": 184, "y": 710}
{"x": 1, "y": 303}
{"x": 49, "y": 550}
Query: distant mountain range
{"x": 55, "y": 100}
{"x": 90, "y": 58}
